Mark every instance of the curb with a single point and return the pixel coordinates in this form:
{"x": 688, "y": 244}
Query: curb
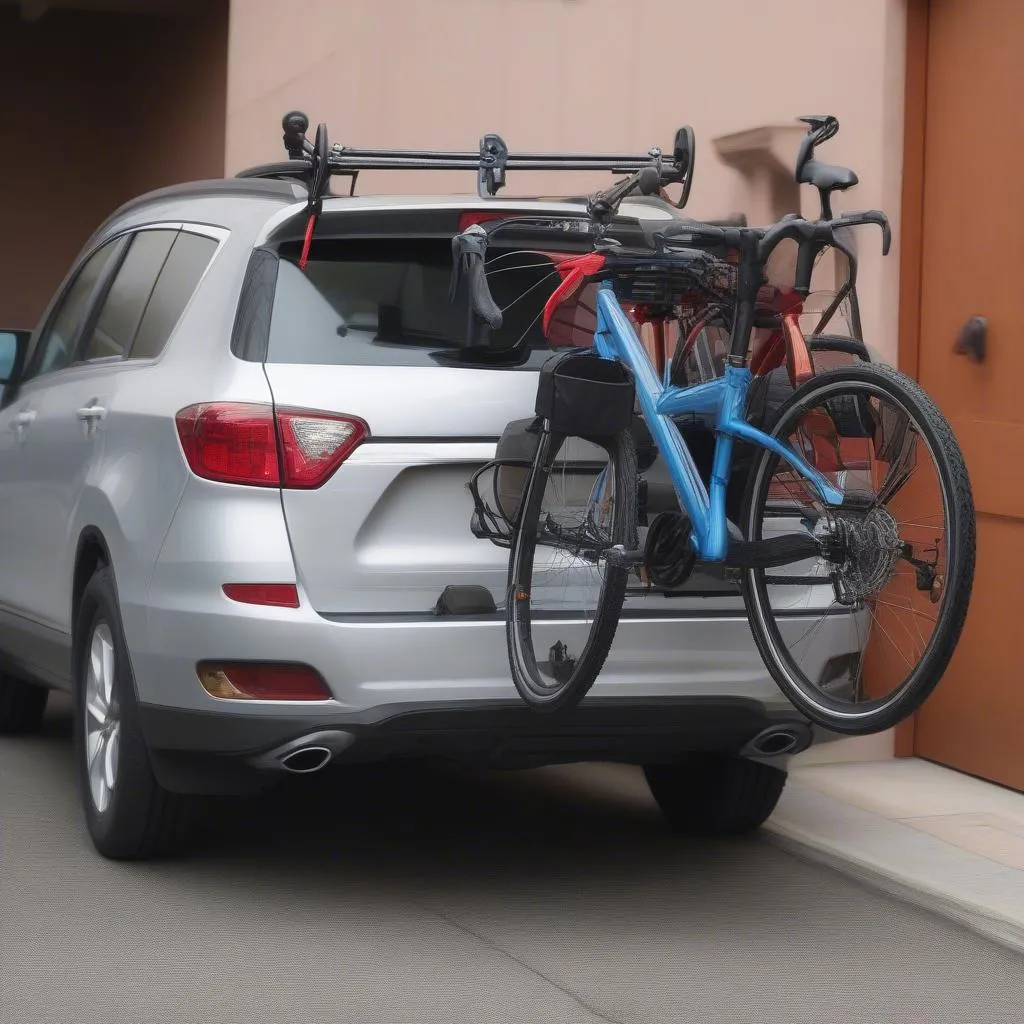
{"x": 979, "y": 894}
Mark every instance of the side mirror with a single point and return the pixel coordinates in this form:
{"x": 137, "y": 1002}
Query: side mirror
{"x": 13, "y": 347}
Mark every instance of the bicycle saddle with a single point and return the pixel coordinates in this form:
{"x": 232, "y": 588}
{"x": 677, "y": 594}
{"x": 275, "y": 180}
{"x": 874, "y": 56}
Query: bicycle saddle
{"x": 826, "y": 177}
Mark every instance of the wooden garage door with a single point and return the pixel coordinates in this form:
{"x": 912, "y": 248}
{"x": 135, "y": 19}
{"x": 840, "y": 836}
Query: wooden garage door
{"x": 972, "y": 228}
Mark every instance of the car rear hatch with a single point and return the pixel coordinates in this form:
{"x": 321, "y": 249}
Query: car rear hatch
{"x": 367, "y": 331}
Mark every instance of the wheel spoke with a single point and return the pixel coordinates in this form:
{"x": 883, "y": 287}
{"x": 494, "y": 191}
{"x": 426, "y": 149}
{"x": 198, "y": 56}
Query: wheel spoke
{"x": 110, "y": 757}
{"x": 107, "y": 655}
{"x": 96, "y": 708}
{"x": 94, "y": 745}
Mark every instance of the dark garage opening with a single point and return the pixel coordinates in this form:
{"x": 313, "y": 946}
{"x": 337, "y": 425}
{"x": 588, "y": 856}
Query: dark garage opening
{"x": 103, "y": 100}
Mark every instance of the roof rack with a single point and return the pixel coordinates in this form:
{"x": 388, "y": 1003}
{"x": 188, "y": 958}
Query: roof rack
{"x": 313, "y": 163}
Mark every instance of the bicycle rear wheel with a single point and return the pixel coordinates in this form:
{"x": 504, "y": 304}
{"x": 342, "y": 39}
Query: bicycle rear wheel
{"x": 564, "y": 593}
{"x": 858, "y": 638}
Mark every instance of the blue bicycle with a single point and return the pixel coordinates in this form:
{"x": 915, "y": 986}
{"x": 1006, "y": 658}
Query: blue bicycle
{"x": 845, "y": 518}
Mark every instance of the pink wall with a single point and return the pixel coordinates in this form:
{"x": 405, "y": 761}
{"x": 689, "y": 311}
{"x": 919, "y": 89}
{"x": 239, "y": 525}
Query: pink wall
{"x": 581, "y": 74}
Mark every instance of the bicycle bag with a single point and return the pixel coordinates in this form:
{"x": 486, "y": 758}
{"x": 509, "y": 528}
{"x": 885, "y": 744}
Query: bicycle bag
{"x": 582, "y": 395}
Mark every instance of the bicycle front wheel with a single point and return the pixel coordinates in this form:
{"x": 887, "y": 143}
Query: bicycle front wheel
{"x": 859, "y": 637}
{"x": 565, "y": 589}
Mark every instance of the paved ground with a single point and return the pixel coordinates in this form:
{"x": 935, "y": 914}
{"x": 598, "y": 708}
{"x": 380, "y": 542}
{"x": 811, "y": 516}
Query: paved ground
{"x": 551, "y": 896}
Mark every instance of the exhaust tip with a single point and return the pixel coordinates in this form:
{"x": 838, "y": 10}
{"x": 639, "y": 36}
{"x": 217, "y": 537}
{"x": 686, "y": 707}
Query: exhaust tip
{"x": 778, "y": 740}
{"x": 781, "y": 742}
{"x": 306, "y": 760}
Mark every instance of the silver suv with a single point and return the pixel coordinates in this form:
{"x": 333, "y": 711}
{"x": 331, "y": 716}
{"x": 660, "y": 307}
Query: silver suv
{"x": 236, "y": 526}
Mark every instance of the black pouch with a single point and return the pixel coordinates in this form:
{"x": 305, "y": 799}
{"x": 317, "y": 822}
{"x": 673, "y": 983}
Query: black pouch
{"x": 582, "y": 395}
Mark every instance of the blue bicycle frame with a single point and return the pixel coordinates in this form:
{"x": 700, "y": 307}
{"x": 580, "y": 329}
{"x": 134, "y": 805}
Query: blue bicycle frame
{"x": 724, "y": 399}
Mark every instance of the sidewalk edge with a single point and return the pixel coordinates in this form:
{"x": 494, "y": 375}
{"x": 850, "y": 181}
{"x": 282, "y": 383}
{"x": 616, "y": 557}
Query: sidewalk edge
{"x": 978, "y": 918}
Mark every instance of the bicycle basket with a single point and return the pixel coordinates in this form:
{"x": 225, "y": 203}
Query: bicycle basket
{"x": 499, "y": 486}
{"x": 582, "y": 395}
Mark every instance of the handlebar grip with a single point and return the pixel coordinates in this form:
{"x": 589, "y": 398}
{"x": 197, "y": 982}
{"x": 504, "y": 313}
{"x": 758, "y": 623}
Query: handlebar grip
{"x": 806, "y": 255}
{"x": 469, "y": 249}
{"x": 480, "y": 298}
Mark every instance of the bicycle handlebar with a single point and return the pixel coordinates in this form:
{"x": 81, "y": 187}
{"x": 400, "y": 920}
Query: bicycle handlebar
{"x": 811, "y": 235}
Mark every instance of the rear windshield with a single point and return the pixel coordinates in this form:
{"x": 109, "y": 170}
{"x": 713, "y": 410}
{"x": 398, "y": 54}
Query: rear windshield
{"x": 386, "y": 301}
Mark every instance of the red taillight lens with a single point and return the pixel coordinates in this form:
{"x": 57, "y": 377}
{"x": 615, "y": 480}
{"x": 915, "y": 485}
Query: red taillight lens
{"x": 238, "y": 443}
{"x": 233, "y": 443}
{"x": 315, "y": 444}
{"x": 262, "y": 681}
{"x": 276, "y": 595}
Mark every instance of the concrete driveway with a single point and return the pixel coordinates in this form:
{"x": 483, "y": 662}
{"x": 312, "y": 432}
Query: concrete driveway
{"x": 442, "y": 895}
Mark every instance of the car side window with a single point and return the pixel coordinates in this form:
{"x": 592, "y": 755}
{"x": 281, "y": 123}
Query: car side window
{"x": 186, "y": 262}
{"x": 54, "y": 349}
{"x": 126, "y": 300}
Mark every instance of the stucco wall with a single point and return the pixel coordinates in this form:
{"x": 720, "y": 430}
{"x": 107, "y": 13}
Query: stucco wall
{"x": 581, "y": 74}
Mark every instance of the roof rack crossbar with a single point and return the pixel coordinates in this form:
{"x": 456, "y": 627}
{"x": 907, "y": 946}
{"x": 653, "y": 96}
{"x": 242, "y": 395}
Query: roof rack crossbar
{"x": 354, "y": 159}
{"x": 490, "y": 162}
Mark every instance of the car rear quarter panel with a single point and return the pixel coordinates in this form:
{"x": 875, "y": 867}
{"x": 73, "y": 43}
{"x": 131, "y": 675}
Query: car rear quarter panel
{"x": 131, "y": 497}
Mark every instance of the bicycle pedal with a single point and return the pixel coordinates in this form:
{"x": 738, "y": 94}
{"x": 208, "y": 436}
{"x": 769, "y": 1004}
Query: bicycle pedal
{"x": 775, "y": 551}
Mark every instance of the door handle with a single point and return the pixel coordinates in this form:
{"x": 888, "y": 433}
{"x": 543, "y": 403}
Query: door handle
{"x": 972, "y": 339}
{"x": 89, "y": 416}
{"x": 21, "y": 422}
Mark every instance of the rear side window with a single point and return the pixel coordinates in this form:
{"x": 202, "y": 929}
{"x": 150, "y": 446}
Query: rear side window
{"x": 185, "y": 264}
{"x": 54, "y": 348}
{"x": 385, "y": 302}
{"x": 129, "y": 294}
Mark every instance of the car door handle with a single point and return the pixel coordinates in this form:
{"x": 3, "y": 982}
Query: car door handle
{"x": 91, "y": 413}
{"x": 20, "y": 422}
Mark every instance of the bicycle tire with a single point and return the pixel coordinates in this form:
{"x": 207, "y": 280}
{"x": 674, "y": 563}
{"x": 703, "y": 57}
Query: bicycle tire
{"x": 881, "y": 714}
{"x": 518, "y": 618}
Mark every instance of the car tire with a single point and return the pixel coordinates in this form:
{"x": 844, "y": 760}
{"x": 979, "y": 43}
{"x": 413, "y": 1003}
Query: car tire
{"x": 129, "y": 815}
{"x": 715, "y": 796}
{"x": 22, "y": 705}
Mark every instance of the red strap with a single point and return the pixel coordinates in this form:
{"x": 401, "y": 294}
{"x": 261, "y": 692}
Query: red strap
{"x": 574, "y": 271}
{"x": 307, "y": 241}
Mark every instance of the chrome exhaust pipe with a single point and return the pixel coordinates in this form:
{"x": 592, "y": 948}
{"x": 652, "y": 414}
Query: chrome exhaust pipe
{"x": 306, "y": 760}
{"x": 779, "y": 740}
{"x": 305, "y": 754}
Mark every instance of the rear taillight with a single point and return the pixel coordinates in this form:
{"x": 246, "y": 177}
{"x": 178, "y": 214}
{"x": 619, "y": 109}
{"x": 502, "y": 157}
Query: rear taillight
{"x": 239, "y": 680}
{"x": 314, "y": 444}
{"x": 238, "y": 443}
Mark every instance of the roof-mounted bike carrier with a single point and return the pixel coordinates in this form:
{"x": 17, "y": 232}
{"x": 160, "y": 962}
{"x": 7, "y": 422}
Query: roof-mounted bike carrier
{"x": 491, "y": 161}
{"x": 314, "y": 163}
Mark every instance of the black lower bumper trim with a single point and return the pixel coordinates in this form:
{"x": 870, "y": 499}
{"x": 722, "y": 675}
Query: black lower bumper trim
{"x": 212, "y": 752}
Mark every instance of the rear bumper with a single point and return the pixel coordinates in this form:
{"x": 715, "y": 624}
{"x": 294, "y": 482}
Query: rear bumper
{"x": 422, "y": 685}
{"x": 222, "y": 753}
